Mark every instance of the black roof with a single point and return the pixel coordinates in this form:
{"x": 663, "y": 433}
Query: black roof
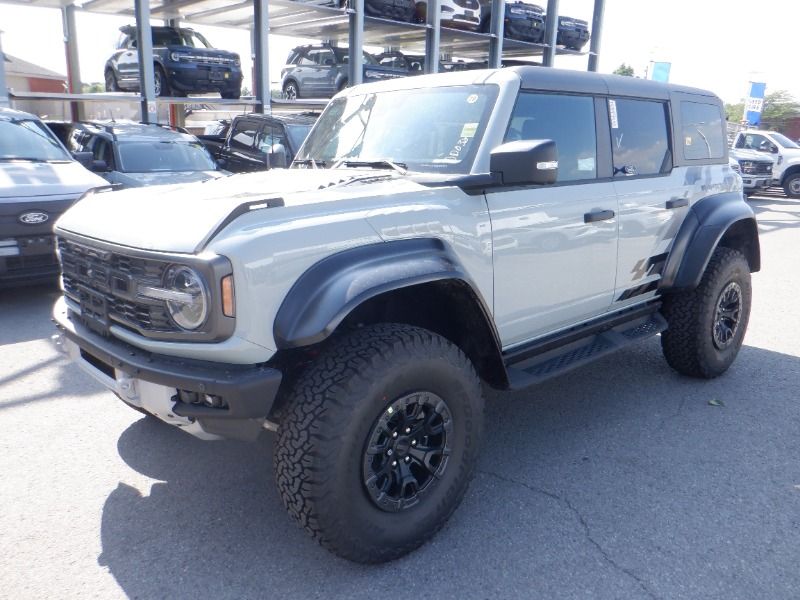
{"x": 562, "y": 80}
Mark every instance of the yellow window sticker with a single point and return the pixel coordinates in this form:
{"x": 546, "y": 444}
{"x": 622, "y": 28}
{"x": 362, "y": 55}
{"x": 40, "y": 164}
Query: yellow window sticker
{"x": 688, "y": 140}
{"x": 469, "y": 130}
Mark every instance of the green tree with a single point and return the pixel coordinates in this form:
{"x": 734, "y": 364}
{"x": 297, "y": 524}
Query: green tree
{"x": 735, "y": 112}
{"x": 780, "y": 106}
{"x": 92, "y": 88}
{"x": 624, "y": 69}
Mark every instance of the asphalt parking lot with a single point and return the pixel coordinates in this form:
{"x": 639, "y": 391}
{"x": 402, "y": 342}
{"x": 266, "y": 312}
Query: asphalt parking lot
{"x": 621, "y": 480}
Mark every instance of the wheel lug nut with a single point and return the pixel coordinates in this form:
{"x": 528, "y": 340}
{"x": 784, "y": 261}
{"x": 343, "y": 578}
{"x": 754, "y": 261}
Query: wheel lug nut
{"x": 408, "y": 459}
{"x": 413, "y": 442}
{"x": 394, "y": 435}
{"x": 408, "y": 429}
{"x": 394, "y": 463}
{"x": 389, "y": 452}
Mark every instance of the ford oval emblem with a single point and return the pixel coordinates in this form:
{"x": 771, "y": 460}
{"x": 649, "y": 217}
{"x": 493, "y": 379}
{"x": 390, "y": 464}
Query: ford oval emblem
{"x": 33, "y": 218}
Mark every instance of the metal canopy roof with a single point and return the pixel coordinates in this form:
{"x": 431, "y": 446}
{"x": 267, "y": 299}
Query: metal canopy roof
{"x": 295, "y": 18}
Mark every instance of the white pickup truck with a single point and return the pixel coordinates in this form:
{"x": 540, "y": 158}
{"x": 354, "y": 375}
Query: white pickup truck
{"x": 785, "y": 153}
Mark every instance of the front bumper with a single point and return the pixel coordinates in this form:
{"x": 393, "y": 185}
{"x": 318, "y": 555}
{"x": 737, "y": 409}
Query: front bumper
{"x": 27, "y": 260}
{"x": 755, "y": 182}
{"x": 202, "y": 78}
{"x": 526, "y": 30}
{"x": 156, "y": 383}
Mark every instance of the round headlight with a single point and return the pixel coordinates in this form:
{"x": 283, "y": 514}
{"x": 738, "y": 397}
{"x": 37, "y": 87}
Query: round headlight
{"x": 175, "y": 56}
{"x": 189, "y": 307}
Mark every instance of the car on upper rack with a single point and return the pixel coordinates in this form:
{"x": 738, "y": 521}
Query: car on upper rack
{"x": 434, "y": 235}
{"x": 39, "y": 180}
{"x": 572, "y": 33}
{"x": 129, "y": 154}
{"x": 184, "y": 62}
{"x": 457, "y": 14}
{"x": 322, "y": 70}
{"x": 257, "y": 142}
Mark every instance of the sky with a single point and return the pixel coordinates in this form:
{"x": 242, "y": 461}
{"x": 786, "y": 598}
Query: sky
{"x": 718, "y": 45}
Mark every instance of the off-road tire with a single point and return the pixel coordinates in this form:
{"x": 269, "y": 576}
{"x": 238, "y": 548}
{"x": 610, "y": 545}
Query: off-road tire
{"x": 323, "y": 435}
{"x": 231, "y": 95}
{"x": 291, "y": 91}
{"x": 688, "y": 343}
{"x": 791, "y": 186}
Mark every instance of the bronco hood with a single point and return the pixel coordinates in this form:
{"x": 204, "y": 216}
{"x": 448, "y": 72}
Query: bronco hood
{"x": 179, "y": 218}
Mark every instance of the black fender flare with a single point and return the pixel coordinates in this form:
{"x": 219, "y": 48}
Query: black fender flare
{"x": 704, "y": 226}
{"x": 330, "y": 289}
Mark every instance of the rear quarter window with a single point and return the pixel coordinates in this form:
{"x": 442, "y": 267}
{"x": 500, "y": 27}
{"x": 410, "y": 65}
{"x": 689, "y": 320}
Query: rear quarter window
{"x": 701, "y": 131}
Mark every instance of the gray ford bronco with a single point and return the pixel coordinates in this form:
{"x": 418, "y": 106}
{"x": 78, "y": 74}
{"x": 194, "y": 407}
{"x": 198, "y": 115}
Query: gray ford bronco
{"x": 522, "y": 222}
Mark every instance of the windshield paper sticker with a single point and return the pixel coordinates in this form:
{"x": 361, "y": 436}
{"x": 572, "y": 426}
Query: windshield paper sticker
{"x": 612, "y": 111}
{"x": 469, "y": 130}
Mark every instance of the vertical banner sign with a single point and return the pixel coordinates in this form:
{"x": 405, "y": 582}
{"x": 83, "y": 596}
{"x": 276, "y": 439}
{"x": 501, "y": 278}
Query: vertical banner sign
{"x": 660, "y": 71}
{"x": 754, "y": 103}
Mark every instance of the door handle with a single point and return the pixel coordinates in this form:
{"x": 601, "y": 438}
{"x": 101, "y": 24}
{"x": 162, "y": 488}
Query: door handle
{"x": 598, "y": 215}
{"x": 677, "y": 203}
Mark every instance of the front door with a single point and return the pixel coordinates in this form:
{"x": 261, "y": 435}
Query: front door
{"x": 555, "y": 247}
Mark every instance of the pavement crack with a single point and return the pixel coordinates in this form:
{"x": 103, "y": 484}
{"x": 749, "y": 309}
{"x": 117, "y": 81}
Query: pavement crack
{"x": 584, "y": 525}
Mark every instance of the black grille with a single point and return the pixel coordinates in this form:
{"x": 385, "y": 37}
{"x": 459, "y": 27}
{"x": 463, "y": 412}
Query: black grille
{"x": 750, "y": 167}
{"x": 105, "y": 284}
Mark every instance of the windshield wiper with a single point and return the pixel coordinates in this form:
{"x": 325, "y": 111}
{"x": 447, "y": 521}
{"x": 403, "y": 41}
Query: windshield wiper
{"x": 373, "y": 164}
{"x": 316, "y": 164}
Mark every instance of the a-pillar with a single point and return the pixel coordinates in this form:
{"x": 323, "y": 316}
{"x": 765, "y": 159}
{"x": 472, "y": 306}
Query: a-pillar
{"x": 74, "y": 85}
{"x": 260, "y": 42}
{"x": 144, "y": 45}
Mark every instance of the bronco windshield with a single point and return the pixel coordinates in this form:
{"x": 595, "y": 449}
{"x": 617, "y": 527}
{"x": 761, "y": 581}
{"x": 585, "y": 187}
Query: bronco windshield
{"x": 149, "y": 157}
{"x": 431, "y": 129}
{"x": 26, "y": 139}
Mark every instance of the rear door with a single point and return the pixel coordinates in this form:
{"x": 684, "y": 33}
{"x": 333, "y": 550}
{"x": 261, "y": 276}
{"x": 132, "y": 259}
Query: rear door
{"x": 242, "y": 153}
{"x": 555, "y": 247}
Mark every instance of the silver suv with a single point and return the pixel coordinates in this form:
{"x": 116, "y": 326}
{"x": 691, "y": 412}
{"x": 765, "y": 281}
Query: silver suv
{"x": 522, "y": 222}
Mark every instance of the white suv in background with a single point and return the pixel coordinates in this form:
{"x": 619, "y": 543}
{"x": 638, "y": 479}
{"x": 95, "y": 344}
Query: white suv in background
{"x": 785, "y": 152}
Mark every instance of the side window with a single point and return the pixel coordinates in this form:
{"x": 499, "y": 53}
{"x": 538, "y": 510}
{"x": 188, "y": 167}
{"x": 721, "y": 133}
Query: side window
{"x": 702, "y": 131}
{"x": 244, "y": 135}
{"x": 272, "y": 135}
{"x": 102, "y": 150}
{"x": 639, "y": 138}
{"x": 568, "y": 121}
{"x": 306, "y": 60}
{"x": 754, "y": 141}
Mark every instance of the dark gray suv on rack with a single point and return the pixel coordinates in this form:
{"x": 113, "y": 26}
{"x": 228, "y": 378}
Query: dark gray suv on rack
{"x": 323, "y": 70}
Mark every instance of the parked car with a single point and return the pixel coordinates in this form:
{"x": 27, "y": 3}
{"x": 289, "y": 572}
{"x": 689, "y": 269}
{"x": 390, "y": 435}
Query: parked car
{"x": 434, "y": 235}
{"x": 786, "y": 171}
{"x": 572, "y": 33}
{"x": 396, "y": 10}
{"x": 39, "y": 180}
{"x": 755, "y": 169}
{"x": 320, "y": 71}
{"x": 523, "y": 22}
{"x": 184, "y": 62}
{"x": 257, "y": 142}
{"x": 458, "y": 14}
{"x": 136, "y": 154}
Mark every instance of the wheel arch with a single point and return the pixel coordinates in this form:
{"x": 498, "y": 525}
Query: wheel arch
{"x": 416, "y": 282}
{"x": 719, "y": 220}
{"x": 792, "y": 170}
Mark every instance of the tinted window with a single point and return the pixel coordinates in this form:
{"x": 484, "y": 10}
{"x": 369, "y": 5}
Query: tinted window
{"x": 639, "y": 137}
{"x": 567, "y": 120}
{"x": 753, "y": 141}
{"x": 702, "y": 131}
{"x": 147, "y": 157}
{"x": 244, "y": 136}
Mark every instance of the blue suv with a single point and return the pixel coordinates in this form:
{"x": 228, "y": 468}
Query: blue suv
{"x": 184, "y": 62}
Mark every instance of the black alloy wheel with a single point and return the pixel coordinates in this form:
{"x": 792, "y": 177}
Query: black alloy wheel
{"x": 407, "y": 451}
{"x": 291, "y": 91}
{"x": 727, "y": 315}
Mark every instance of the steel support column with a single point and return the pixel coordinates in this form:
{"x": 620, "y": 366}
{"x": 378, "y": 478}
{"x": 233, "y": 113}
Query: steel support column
{"x": 4, "y": 101}
{"x": 597, "y": 31}
{"x": 144, "y": 45}
{"x": 74, "y": 85}
{"x": 260, "y": 42}
{"x": 496, "y": 29}
{"x": 432, "y": 36}
{"x": 550, "y": 33}
{"x": 356, "y": 39}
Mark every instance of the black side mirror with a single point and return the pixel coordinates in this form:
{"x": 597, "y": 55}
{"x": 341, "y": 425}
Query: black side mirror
{"x": 276, "y": 157}
{"x": 99, "y": 166}
{"x": 525, "y": 162}
{"x": 85, "y": 158}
